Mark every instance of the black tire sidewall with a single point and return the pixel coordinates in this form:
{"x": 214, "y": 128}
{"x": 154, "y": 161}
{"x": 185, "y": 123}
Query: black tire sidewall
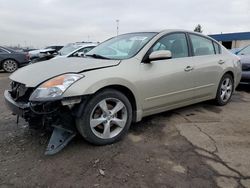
{"x": 83, "y": 123}
{"x": 218, "y": 99}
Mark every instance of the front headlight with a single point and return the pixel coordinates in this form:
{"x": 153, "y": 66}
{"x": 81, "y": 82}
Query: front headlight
{"x": 54, "y": 88}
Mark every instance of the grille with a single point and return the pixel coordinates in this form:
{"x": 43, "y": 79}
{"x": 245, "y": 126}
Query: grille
{"x": 19, "y": 92}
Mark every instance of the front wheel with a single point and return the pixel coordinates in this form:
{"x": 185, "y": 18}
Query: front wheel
{"x": 225, "y": 90}
{"x": 106, "y": 117}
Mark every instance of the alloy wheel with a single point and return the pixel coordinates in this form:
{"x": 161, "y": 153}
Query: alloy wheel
{"x": 9, "y": 65}
{"x": 226, "y": 89}
{"x": 108, "y": 118}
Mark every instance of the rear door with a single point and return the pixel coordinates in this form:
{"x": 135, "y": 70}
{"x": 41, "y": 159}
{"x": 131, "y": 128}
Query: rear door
{"x": 208, "y": 65}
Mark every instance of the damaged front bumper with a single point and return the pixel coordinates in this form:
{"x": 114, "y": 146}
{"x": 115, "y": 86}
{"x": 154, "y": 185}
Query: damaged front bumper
{"x": 17, "y": 108}
{"x": 61, "y": 119}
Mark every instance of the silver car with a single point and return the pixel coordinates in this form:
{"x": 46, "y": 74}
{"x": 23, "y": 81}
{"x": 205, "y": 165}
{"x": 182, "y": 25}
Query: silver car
{"x": 121, "y": 81}
{"x": 244, "y": 55}
{"x": 75, "y": 49}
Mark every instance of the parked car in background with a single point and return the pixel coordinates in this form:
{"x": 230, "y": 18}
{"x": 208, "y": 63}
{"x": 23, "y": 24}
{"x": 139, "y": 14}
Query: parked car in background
{"x": 75, "y": 49}
{"x": 57, "y": 48}
{"x": 28, "y": 49}
{"x": 44, "y": 54}
{"x": 244, "y": 55}
{"x": 235, "y": 50}
{"x": 120, "y": 81}
{"x": 40, "y": 53}
{"x": 11, "y": 60}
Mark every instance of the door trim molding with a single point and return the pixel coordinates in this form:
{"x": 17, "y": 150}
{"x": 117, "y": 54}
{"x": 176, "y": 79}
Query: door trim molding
{"x": 177, "y": 92}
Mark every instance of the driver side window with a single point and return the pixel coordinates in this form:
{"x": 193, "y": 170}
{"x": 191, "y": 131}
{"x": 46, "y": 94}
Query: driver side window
{"x": 176, "y": 43}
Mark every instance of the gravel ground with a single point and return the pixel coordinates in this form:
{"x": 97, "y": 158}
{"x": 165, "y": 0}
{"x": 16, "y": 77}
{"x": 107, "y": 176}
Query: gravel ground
{"x": 198, "y": 146}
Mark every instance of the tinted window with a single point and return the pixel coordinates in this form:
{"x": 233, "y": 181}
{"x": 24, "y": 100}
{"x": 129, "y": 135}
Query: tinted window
{"x": 245, "y": 51}
{"x": 176, "y": 43}
{"x": 217, "y": 48}
{"x": 201, "y": 45}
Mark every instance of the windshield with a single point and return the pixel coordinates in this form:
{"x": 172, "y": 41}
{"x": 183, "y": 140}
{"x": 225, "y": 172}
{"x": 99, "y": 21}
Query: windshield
{"x": 245, "y": 51}
{"x": 121, "y": 47}
{"x": 68, "y": 49}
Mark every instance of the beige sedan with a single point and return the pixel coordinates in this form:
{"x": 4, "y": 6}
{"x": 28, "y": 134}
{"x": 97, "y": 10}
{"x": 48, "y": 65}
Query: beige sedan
{"x": 121, "y": 81}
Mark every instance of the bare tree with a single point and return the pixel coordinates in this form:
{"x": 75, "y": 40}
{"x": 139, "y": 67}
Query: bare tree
{"x": 198, "y": 28}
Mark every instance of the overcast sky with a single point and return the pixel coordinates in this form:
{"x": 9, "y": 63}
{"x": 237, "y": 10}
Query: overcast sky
{"x": 47, "y": 22}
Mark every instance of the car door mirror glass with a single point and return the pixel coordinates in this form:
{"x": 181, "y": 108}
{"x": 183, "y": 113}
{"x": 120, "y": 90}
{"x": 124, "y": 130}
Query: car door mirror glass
{"x": 160, "y": 55}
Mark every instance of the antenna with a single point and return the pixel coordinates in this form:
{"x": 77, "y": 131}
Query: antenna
{"x": 117, "y": 26}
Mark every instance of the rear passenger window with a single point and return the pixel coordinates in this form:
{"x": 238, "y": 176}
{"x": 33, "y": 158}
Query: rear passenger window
{"x": 201, "y": 45}
{"x": 216, "y": 47}
{"x": 176, "y": 43}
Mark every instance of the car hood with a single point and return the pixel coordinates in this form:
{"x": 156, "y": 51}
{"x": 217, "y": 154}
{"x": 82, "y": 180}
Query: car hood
{"x": 34, "y": 74}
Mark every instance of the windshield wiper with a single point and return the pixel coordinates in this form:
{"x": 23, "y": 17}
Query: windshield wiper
{"x": 97, "y": 56}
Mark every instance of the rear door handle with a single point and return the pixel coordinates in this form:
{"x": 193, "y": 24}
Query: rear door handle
{"x": 221, "y": 62}
{"x": 188, "y": 68}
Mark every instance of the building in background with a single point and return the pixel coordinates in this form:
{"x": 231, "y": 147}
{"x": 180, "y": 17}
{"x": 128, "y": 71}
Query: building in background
{"x": 233, "y": 40}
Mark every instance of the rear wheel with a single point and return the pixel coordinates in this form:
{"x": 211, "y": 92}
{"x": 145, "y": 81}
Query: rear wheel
{"x": 9, "y": 65}
{"x": 225, "y": 90}
{"x": 106, "y": 118}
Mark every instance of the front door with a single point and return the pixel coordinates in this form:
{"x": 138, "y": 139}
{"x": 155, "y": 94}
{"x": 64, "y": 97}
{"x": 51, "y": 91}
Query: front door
{"x": 167, "y": 83}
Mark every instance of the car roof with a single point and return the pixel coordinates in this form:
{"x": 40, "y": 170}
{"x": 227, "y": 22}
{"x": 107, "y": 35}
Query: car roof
{"x": 86, "y": 44}
{"x": 182, "y": 30}
{"x": 7, "y": 49}
{"x": 165, "y": 31}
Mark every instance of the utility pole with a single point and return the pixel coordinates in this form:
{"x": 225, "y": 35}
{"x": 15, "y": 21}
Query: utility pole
{"x": 117, "y": 27}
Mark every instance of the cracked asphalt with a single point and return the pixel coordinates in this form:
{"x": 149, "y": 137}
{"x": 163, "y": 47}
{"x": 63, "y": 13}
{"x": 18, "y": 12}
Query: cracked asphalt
{"x": 197, "y": 146}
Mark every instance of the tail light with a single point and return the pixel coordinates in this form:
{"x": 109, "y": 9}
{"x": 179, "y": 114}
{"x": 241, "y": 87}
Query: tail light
{"x": 27, "y": 56}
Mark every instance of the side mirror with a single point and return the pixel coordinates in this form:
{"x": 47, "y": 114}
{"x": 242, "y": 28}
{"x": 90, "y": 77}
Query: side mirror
{"x": 160, "y": 55}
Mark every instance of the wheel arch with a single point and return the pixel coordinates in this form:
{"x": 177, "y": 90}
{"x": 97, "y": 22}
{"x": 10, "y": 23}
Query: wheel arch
{"x": 128, "y": 93}
{"x": 231, "y": 73}
{"x": 134, "y": 101}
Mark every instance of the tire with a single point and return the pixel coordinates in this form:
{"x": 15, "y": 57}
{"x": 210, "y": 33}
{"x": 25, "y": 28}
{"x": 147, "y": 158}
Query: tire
{"x": 101, "y": 123}
{"x": 9, "y": 65}
{"x": 225, "y": 90}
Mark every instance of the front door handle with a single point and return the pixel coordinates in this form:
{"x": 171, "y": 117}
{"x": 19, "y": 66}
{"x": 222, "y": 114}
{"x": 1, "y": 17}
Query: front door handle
{"x": 221, "y": 62}
{"x": 188, "y": 68}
